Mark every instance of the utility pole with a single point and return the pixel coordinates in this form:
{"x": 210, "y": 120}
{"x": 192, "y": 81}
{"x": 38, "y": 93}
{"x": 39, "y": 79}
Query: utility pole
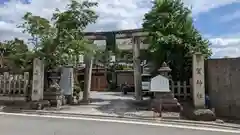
{"x": 137, "y": 68}
{"x": 87, "y": 77}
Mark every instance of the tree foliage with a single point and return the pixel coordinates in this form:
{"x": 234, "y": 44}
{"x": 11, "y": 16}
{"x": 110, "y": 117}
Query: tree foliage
{"x": 54, "y": 42}
{"x": 37, "y": 27}
{"x": 15, "y": 54}
{"x": 173, "y": 37}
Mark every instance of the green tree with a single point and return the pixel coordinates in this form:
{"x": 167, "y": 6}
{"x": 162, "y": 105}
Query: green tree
{"x": 53, "y": 43}
{"x": 173, "y": 37}
{"x": 37, "y": 27}
{"x": 14, "y": 54}
{"x": 70, "y": 25}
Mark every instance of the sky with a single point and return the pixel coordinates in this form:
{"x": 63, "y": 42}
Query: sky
{"x": 217, "y": 20}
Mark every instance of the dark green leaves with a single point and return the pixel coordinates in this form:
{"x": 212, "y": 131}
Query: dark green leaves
{"x": 172, "y": 34}
{"x": 64, "y": 36}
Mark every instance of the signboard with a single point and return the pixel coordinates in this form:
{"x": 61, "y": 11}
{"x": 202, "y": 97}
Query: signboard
{"x": 127, "y": 43}
{"x": 159, "y": 84}
{"x": 124, "y": 44}
{"x": 132, "y": 34}
{"x": 101, "y": 44}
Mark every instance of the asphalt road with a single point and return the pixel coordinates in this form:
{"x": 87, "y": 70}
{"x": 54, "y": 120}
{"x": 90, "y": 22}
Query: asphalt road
{"x": 24, "y": 125}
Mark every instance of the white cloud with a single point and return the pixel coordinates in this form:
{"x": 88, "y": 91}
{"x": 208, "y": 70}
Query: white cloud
{"x": 230, "y": 17}
{"x": 227, "y": 45}
{"x": 114, "y": 14}
{"x": 199, "y": 6}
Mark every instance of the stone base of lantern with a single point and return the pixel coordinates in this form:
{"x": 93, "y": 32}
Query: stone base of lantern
{"x": 54, "y": 97}
{"x": 68, "y": 99}
{"x": 56, "y": 103}
{"x": 165, "y": 101}
{"x": 39, "y": 105}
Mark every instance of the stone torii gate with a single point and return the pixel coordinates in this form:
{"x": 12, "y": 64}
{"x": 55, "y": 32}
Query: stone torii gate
{"x": 136, "y": 35}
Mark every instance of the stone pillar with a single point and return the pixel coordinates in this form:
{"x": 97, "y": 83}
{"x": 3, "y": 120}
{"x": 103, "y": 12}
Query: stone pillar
{"x": 38, "y": 80}
{"x": 67, "y": 82}
{"x": 137, "y": 68}
{"x": 198, "y": 80}
{"x": 87, "y": 78}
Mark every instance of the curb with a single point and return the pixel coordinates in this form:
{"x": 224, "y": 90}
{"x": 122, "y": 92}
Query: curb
{"x": 226, "y": 125}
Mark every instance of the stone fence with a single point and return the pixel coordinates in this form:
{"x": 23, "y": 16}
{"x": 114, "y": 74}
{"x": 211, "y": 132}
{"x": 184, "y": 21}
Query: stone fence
{"x": 182, "y": 89}
{"x": 14, "y": 87}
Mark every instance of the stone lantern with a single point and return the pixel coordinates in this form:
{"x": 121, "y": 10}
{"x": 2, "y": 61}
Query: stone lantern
{"x": 146, "y": 69}
{"x": 54, "y": 94}
{"x": 164, "y": 70}
{"x": 54, "y": 76}
{"x": 166, "y": 99}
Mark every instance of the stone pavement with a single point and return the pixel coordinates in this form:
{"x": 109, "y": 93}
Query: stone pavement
{"x": 113, "y": 104}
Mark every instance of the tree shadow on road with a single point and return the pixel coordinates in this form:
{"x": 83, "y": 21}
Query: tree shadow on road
{"x": 122, "y": 107}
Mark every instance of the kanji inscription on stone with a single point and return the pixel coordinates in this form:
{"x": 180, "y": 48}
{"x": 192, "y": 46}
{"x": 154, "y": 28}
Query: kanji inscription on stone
{"x": 199, "y": 95}
{"x": 199, "y": 71}
{"x": 36, "y": 82}
{"x": 199, "y": 82}
{"x": 35, "y": 91}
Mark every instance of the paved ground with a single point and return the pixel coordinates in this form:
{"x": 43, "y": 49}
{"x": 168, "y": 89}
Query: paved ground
{"x": 36, "y": 125}
{"x": 113, "y": 104}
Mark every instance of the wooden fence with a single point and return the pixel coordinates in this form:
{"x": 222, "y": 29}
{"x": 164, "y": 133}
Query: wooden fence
{"x": 182, "y": 89}
{"x": 14, "y": 87}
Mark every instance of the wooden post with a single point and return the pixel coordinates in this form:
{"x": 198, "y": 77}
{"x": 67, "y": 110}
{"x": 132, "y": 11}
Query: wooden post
{"x": 137, "y": 68}
{"x": 87, "y": 78}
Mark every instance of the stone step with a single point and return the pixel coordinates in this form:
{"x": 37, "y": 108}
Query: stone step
{"x": 56, "y": 103}
{"x": 52, "y": 93}
{"x": 169, "y": 101}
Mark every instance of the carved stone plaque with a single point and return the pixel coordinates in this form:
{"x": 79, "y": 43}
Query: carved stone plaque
{"x": 159, "y": 84}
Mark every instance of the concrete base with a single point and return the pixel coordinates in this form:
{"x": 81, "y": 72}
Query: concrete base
{"x": 13, "y": 98}
{"x": 55, "y": 98}
{"x": 56, "y": 103}
{"x": 39, "y": 105}
{"x": 68, "y": 99}
{"x": 165, "y": 102}
{"x": 192, "y": 113}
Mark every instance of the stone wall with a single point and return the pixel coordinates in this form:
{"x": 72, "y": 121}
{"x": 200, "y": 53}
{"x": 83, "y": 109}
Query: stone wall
{"x": 223, "y": 86}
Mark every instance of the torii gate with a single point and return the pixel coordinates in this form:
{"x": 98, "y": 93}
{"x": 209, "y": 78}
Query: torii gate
{"x": 136, "y": 35}
{"x": 110, "y": 37}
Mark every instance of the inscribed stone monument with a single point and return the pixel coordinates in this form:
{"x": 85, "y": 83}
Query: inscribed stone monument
{"x": 198, "y": 81}
{"x": 159, "y": 83}
{"x": 66, "y": 82}
{"x": 38, "y": 80}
